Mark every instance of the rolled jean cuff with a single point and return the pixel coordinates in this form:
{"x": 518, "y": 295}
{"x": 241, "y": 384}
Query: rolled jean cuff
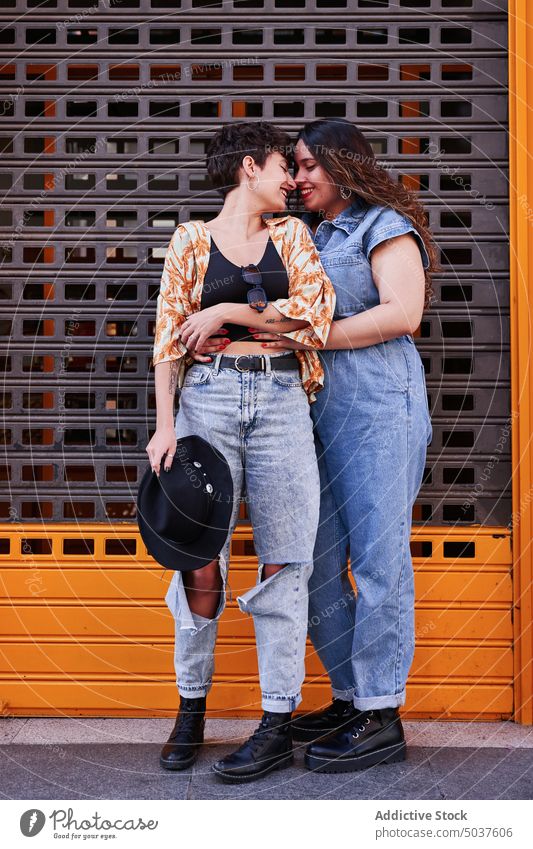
{"x": 194, "y": 691}
{"x": 344, "y": 695}
{"x": 378, "y": 702}
{"x": 280, "y": 704}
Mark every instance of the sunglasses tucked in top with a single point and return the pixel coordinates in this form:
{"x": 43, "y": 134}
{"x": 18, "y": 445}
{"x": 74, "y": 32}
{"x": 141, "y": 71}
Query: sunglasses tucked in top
{"x": 226, "y": 282}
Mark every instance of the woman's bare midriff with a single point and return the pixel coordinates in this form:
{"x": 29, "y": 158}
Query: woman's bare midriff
{"x": 252, "y": 348}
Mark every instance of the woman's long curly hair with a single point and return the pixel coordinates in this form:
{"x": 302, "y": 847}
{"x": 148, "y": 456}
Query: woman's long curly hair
{"x": 342, "y": 150}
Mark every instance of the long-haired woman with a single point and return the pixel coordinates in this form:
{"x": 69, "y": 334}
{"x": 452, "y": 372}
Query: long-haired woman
{"x": 372, "y": 428}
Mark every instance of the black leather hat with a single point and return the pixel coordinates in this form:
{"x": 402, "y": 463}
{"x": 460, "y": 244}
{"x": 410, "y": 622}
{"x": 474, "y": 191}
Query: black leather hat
{"x": 184, "y": 514}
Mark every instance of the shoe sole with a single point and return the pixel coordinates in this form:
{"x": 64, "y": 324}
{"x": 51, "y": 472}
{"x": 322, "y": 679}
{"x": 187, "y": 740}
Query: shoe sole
{"x": 230, "y": 778}
{"x": 389, "y": 755}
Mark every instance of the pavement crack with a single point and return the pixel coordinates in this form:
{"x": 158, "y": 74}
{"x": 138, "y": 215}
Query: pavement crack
{"x": 435, "y": 778}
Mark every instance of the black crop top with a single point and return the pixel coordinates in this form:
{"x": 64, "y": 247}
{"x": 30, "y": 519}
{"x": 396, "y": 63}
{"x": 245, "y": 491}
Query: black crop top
{"x": 223, "y": 284}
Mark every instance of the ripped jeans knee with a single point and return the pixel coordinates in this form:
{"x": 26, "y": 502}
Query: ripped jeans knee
{"x": 178, "y": 603}
{"x": 195, "y": 637}
{"x": 272, "y": 593}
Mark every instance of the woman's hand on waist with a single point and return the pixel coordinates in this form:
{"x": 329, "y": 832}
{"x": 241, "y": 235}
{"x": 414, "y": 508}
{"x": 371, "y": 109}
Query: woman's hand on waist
{"x": 213, "y": 345}
{"x": 277, "y": 342}
{"x": 198, "y": 327}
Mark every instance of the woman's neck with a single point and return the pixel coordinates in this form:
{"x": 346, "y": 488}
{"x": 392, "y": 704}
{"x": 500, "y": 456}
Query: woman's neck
{"x": 328, "y": 214}
{"x": 238, "y": 216}
{"x": 335, "y": 209}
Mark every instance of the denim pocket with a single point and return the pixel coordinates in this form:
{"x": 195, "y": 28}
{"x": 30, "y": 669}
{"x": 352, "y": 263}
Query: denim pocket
{"x": 391, "y": 364}
{"x": 287, "y": 378}
{"x": 352, "y": 255}
{"x": 197, "y": 374}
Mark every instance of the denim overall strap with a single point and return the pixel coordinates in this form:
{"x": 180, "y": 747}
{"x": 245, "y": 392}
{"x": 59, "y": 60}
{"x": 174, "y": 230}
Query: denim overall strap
{"x": 366, "y": 221}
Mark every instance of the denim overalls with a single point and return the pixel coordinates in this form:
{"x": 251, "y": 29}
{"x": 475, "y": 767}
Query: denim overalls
{"x": 372, "y": 428}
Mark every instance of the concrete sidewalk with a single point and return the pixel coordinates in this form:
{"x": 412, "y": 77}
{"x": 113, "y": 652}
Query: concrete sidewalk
{"x": 86, "y": 758}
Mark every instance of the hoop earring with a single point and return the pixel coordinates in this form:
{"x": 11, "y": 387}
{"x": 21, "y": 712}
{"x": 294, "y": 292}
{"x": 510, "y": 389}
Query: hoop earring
{"x": 345, "y": 193}
{"x": 255, "y": 185}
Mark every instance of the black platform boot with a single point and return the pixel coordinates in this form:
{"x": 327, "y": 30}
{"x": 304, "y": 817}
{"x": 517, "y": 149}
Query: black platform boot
{"x": 269, "y": 748}
{"x": 183, "y": 745}
{"x": 376, "y": 737}
{"x": 315, "y": 725}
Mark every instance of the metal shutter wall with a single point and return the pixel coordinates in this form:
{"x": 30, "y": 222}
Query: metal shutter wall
{"x": 105, "y": 118}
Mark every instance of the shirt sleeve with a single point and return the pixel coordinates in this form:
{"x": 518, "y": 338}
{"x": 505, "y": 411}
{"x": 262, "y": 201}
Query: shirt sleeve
{"x": 388, "y": 225}
{"x": 173, "y": 301}
{"x": 311, "y": 293}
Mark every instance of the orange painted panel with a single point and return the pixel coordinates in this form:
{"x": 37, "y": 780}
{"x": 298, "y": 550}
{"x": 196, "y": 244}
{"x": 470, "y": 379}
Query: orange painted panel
{"x": 229, "y": 698}
{"x": 78, "y": 621}
{"x": 448, "y": 586}
{"x": 109, "y": 620}
{"x": 84, "y": 583}
{"x": 128, "y": 584}
{"x": 140, "y": 659}
{"x": 474, "y": 623}
{"x": 472, "y": 661}
{"x": 90, "y": 629}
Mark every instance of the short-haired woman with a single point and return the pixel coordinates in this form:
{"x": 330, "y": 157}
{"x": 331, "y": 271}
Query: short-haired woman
{"x": 254, "y": 408}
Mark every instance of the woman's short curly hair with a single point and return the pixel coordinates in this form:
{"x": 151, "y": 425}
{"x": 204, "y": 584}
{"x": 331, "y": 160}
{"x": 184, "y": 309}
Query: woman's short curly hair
{"x": 232, "y": 142}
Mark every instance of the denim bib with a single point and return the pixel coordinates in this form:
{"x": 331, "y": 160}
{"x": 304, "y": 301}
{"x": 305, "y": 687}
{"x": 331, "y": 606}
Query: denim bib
{"x": 345, "y": 245}
{"x": 366, "y": 377}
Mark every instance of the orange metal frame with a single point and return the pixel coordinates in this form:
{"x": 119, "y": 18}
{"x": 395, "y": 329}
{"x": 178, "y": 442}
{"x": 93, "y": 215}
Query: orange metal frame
{"x": 521, "y": 207}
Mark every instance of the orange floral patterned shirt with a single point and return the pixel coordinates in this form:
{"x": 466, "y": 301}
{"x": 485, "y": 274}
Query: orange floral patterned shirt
{"x": 311, "y": 294}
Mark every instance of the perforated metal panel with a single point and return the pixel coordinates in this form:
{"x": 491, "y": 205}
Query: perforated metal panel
{"x": 106, "y": 110}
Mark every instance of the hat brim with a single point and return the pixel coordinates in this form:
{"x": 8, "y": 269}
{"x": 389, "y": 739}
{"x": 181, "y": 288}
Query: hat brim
{"x": 186, "y": 557}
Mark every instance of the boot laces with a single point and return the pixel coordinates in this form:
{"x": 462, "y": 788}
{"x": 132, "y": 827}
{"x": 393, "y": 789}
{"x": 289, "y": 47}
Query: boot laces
{"x": 362, "y": 728}
{"x": 257, "y": 739}
{"x": 186, "y": 721}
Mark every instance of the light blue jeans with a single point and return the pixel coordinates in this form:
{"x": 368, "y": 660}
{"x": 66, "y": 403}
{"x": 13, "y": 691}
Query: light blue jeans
{"x": 261, "y": 423}
{"x": 372, "y": 426}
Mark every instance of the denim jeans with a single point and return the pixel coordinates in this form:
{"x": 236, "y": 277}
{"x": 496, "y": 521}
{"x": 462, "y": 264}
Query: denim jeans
{"x": 372, "y": 428}
{"x": 261, "y": 423}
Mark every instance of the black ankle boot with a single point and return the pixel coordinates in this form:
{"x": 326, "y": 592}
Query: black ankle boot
{"x": 269, "y": 748}
{"x": 315, "y": 725}
{"x": 183, "y": 745}
{"x": 376, "y": 737}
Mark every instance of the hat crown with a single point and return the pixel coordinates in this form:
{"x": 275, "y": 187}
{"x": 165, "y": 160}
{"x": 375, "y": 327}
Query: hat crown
{"x": 182, "y": 501}
{"x": 184, "y": 514}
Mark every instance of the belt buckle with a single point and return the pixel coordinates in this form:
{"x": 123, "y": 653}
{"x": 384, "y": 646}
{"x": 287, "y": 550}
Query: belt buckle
{"x": 246, "y": 357}
{"x": 249, "y": 357}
